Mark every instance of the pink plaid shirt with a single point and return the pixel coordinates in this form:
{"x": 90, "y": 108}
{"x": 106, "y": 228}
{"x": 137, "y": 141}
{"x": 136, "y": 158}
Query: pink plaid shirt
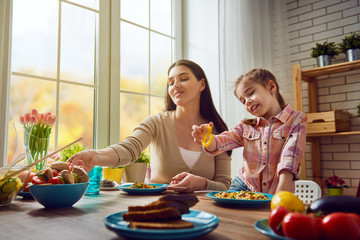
{"x": 269, "y": 147}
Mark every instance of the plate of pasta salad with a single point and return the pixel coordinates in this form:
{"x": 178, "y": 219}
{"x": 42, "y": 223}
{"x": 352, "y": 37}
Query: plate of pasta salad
{"x": 240, "y": 198}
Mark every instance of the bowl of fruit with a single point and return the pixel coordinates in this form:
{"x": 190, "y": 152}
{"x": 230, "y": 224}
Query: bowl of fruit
{"x": 10, "y": 185}
{"x": 59, "y": 186}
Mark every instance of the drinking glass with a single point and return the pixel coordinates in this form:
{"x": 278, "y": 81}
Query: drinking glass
{"x": 95, "y": 176}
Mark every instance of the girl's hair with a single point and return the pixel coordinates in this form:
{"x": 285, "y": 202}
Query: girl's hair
{"x": 207, "y": 108}
{"x": 261, "y": 76}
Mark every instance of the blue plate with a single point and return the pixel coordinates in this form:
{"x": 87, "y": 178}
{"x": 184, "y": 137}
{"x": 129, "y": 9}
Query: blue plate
{"x": 263, "y": 227}
{"x": 239, "y": 202}
{"x": 203, "y": 223}
{"x": 159, "y": 188}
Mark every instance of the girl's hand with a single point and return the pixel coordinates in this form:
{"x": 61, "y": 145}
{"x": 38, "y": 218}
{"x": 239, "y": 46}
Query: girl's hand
{"x": 188, "y": 180}
{"x": 198, "y": 131}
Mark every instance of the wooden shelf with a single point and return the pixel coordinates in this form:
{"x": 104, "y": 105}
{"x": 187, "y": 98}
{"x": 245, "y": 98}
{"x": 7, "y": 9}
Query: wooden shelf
{"x": 309, "y": 74}
{"x": 334, "y": 134}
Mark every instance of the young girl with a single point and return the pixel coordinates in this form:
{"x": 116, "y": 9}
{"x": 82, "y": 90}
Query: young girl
{"x": 274, "y": 142}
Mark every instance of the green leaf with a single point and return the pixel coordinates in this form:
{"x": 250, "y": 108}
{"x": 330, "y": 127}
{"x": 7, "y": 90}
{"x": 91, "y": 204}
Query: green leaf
{"x": 70, "y": 151}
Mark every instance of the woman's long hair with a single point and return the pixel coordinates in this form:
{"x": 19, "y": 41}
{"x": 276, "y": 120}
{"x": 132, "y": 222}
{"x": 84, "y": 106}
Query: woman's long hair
{"x": 207, "y": 108}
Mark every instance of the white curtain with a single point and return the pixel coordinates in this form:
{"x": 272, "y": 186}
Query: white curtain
{"x": 245, "y": 42}
{"x": 5, "y": 7}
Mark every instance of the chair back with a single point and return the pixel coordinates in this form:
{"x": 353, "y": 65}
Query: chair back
{"x": 307, "y": 190}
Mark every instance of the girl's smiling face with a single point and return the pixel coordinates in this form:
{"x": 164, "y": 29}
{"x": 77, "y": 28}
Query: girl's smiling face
{"x": 258, "y": 100}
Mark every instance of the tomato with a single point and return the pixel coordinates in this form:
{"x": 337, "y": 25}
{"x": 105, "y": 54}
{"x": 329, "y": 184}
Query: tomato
{"x": 56, "y": 180}
{"x": 340, "y": 225}
{"x": 355, "y": 216}
{"x": 276, "y": 217}
{"x": 300, "y": 226}
{"x": 55, "y": 172}
{"x": 38, "y": 180}
{"x": 318, "y": 220}
{"x": 28, "y": 180}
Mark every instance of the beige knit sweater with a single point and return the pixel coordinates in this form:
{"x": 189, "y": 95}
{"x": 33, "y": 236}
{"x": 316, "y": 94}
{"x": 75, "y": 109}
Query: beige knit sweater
{"x": 166, "y": 161}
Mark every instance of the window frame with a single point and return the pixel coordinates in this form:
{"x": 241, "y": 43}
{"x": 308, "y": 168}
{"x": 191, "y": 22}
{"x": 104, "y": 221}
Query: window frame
{"x": 114, "y": 117}
{"x": 107, "y": 73}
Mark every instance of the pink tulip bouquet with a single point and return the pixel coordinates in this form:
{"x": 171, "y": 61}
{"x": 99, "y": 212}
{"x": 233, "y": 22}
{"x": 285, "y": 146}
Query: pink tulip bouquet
{"x": 37, "y": 130}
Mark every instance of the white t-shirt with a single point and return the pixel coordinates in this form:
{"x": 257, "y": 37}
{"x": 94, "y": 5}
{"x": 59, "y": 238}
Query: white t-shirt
{"x": 190, "y": 157}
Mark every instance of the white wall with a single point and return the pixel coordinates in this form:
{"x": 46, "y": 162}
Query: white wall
{"x": 201, "y": 45}
{"x": 201, "y": 40}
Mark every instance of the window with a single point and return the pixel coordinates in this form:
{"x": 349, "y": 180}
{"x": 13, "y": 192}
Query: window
{"x": 58, "y": 66}
{"x": 146, "y": 41}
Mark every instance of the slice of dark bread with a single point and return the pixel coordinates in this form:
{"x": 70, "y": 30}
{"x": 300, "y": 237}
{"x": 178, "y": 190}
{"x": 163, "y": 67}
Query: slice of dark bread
{"x": 152, "y": 215}
{"x": 188, "y": 199}
{"x": 182, "y": 207}
{"x": 175, "y": 224}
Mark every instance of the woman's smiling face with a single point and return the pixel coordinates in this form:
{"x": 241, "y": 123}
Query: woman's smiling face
{"x": 183, "y": 87}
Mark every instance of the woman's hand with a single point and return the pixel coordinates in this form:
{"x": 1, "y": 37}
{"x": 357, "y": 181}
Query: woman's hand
{"x": 85, "y": 159}
{"x": 188, "y": 180}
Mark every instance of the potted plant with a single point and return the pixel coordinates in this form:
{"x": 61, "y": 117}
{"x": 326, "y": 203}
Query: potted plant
{"x": 113, "y": 173}
{"x": 335, "y": 185}
{"x": 70, "y": 151}
{"x": 350, "y": 45}
{"x": 324, "y": 53}
{"x": 136, "y": 171}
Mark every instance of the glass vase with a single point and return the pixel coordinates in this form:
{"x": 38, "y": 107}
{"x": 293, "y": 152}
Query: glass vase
{"x": 36, "y": 148}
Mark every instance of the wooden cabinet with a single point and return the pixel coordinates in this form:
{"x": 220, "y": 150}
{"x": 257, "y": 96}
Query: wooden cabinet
{"x": 309, "y": 76}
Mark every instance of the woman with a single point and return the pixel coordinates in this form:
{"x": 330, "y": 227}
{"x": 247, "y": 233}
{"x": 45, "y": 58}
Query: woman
{"x": 175, "y": 157}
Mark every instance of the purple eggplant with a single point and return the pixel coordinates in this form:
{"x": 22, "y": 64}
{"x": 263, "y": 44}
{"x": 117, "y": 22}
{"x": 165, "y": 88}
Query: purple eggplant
{"x": 331, "y": 204}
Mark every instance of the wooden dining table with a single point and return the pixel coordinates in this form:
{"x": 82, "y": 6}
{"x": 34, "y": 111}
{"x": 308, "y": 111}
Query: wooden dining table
{"x": 27, "y": 219}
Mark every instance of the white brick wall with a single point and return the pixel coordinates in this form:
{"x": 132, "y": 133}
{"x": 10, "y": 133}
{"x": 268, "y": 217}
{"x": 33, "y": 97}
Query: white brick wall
{"x": 315, "y": 21}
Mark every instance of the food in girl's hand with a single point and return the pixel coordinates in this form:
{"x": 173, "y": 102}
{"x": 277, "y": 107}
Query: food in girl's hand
{"x": 140, "y": 185}
{"x": 247, "y": 195}
{"x": 164, "y": 213}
